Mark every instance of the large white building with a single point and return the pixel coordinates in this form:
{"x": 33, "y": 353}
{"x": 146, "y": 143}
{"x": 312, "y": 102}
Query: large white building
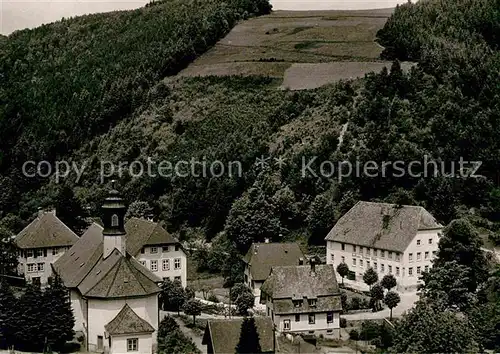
{"x": 262, "y": 256}
{"x": 114, "y": 297}
{"x": 303, "y": 299}
{"x": 391, "y": 239}
{"x": 156, "y": 249}
{"x": 40, "y": 244}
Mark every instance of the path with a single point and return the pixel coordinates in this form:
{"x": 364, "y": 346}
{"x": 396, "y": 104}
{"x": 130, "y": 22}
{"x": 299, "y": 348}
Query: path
{"x": 407, "y": 302}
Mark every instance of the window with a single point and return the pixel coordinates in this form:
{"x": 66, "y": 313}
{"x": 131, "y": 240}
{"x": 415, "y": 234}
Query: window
{"x": 40, "y": 267}
{"x": 367, "y": 251}
{"x": 398, "y": 256}
{"x": 426, "y": 268}
{"x": 177, "y": 263}
{"x": 374, "y": 253}
{"x": 418, "y": 242}
{"x": 286, "y": 325}
{"x": 354, "y": 262}
{"x": 164, "y": 249}
{"x": 312, "y": 302}
{"x": 426, "y": 255}
{"x": 361, "y": 250}
{"x": 39, "y": 253}
{"x": 418, "y": 270}
{"x": 430, "y": 241}
{"x": 142, "y": 250}
{"x": 31, "y": 267}
{"x": 390, "y": 269}
{"x": 397, "y": 271}
{"x": 154, "y": 249}
{"x": 154, "y": 266}
{"x": 332, "y": 257}
{"x": 410, "y": 257}
{"x": 343, "y": 259}
{"x": 114, "y": 220}
{"x": 329, "y": 317}
{"x": 375, "y": 265}
{"x": 419, "y": 256}
{"x": 382, "y": 253}
{"x": 361, "y": 263}
{"x": 54, "y": 251}
{"x": 297, "y": 303}
{"x": 29, "y": 253}
{"x": 354, "y": 248}
{"x": 342, "y": 246}
{"x": 165, "y": 264}
{"x": 177, "y": 247}
{"x": 368, "y": 264}
{"x": 390, "y": 255}
{"x": 36, "y": 281}
{"x": 297, "y": 318}
{"x": 132, "y": 344}
{"x": 382, "y": 268}
{"x": 312, "y": 318}
{"x": 410, "y": 272}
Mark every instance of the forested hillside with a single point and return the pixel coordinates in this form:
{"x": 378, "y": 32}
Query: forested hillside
{"x": 108, "y": 103}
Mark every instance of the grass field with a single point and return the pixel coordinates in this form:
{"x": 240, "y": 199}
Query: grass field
{"x": 306, "y": 49}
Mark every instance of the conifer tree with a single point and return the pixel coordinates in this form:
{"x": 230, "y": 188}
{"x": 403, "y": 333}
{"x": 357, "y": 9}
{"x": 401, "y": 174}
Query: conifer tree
{"x": 59, "y": 320}
{"x": 249, "y": 337}
{"x": 30, "y": 331}
{"x": 7, "y": 315}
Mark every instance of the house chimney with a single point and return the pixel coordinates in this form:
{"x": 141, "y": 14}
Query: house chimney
{"x": 301, "y": 261}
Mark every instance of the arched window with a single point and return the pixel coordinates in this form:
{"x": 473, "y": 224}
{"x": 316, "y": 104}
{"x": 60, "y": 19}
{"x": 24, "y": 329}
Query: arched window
{"x": 114, "y": 220}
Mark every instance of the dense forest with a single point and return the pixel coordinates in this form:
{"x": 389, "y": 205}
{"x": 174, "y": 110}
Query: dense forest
{"x": 69, "y": 92}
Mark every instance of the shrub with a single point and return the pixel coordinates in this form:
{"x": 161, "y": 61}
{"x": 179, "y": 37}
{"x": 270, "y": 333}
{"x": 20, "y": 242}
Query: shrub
{"x": 211, "y": 297}
{"x": 353, "y": 334}
{"x": 343, "y": 322}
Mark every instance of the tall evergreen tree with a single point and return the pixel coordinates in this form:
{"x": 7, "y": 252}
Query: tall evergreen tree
{"x": 59, "y": 320}
{"x": 30, "y": 328}
{"x": 249, "y": 337}
{"x": 8, "y": 317}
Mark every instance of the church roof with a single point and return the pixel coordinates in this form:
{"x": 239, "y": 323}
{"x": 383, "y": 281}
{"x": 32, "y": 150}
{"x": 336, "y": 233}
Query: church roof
{"x": 141, "y": 232}
{"x": 84, "y": 267}
{"x": 128, "y": 322}
{"x": 47, "y": 230}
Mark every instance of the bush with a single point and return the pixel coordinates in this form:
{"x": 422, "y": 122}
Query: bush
{"x": 355, "y": 303}
{"x": 353, "y": 334}
{"x": 343, "y": 322}
{"x": 211, "y": 297}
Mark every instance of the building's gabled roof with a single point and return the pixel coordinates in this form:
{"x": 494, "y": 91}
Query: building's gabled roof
{"x": 262, "y": 256}
{"x": 381, "y": 225}
{"x": 47, "y": 230}
{"x": 286, "y": 284}
{"x": 83, "y": 267}
{"x": 141, "y": 232}
{"x": 128, "y": 322}
{"x": 225, "y": 334}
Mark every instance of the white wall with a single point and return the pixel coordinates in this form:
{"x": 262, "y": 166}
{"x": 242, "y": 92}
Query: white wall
{"x": 304, "y": 326}
{"x": 79, "y": 307}
{"x": 119, "y": 343}
{"x": 47, "y": 261}
{"x": 103, "y": 311}
{"x": 171, "y": 255}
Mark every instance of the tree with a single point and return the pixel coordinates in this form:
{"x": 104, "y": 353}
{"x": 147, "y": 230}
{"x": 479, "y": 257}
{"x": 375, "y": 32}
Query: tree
{"x": 192, "y": 307}
{"x": 343, "y": 270}
{"x": 167, "y": 326}
{"x": 426, "y": 329}
{"x": 370, "y": 277}
{"x": 8, "y": 253}
{"x": 176, "y": 342}
{"x": 8, "y": 316}
{"x": 377, "y": 294}
{"x": 69, "y": 209}
{"x": 172, "y": 296}
{"x": 31, "y": 316}
{"x": 239, "y": 289}
{"x": 139, "y": 209}
{"x": 343, "y": 300}
{"x": 388, "y": 281}
{"x": 392, "y": 300}
{"x": 249, "y": 337}
{"x": 448, "y": 285}
{"x": 59, "y": 319}
{"x": 244, "y": 302}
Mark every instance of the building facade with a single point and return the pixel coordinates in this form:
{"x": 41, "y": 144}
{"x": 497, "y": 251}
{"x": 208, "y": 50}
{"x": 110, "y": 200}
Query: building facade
{"x": 391, "y": 239}
{"x": 40, "y": 244}
{"x": 156, "y": 249}
{"x": 114, "y": 297}
{"x": 261, "y": 257}
{"x": 303, "y": 299}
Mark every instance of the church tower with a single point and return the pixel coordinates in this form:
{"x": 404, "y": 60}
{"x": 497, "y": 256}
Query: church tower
{"x": 113, "y": 215}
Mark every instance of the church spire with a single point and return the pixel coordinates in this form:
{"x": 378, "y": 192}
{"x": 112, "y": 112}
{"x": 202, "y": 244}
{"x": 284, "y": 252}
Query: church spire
{"x": 113, "y": 215}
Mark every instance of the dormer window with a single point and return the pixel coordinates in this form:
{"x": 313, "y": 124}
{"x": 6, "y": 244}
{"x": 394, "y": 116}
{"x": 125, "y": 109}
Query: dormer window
{"x": 312, "y": 302}
{"x": 297, "y": 303}
{"x": 114, "y": 220}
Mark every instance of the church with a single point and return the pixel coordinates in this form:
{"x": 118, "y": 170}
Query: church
{"x": 113, "y": 296}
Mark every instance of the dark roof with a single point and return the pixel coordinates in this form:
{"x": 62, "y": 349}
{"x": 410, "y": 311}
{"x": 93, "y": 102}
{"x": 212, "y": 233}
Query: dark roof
{"x": 381, "y": 225}
{"x": 225, "y": 334}
{"x": 141, "y": 232}
{"x": 262, "y": 256}
{"x": 128, "y": 322}
{"x": 299, "y": 282}
{"x": 83, "y": 267}
{"x": 47, "y": 230}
